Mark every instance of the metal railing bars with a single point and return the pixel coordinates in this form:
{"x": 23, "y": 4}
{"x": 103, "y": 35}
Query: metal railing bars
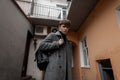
{"x": 41, "y": 11}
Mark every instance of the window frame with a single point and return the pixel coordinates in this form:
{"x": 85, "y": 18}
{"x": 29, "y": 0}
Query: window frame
{"x": 84, "y": 57}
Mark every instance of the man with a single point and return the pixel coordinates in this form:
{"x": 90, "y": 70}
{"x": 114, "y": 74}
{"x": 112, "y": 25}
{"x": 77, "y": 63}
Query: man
{"x": 60, "y": 48}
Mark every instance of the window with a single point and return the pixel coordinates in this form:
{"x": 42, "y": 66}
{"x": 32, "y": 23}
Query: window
{"x": 118, "y": 15}
{"x": 41, "y": 30}
{"x": 84, "y": 54}
{"x": 106, "y": 71}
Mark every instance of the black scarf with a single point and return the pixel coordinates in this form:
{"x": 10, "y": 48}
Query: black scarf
{"x": 63, "y": 36}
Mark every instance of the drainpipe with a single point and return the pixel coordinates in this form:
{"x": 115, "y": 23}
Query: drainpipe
{"x": 32, "y": 7}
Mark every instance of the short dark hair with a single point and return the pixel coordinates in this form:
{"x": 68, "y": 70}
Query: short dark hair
{"x": 65, "y": 22}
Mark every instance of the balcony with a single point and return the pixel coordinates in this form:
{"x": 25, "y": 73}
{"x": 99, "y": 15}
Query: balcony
{"x": 43, "y": 14}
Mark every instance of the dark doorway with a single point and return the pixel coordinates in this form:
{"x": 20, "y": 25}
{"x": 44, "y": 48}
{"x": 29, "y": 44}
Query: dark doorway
{"x": 106, "y": 71}
{"x": 26, "y": 54}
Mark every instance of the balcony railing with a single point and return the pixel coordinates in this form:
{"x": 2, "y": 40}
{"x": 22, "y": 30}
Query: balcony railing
{"x": 33, "y": 9}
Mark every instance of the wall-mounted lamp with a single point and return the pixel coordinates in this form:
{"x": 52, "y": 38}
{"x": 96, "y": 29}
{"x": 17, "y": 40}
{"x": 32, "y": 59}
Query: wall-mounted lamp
{"x": 35, "y": 43}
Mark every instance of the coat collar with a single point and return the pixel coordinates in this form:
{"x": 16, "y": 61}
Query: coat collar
{"x": 58, "y": 33}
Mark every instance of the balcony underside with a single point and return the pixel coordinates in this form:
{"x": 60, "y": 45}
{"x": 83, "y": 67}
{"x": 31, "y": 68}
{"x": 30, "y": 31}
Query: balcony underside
{"x": 44, "y": 22}
{"x": 79, "y": 11}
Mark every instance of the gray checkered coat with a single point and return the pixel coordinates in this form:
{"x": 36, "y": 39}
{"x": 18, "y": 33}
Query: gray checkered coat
{"x": 60, "y": 61}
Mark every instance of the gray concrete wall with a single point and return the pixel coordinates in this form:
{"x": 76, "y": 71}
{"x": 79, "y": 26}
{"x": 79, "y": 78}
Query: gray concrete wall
{"x": 13, "y": 34}
{"x": 32, "y": 68}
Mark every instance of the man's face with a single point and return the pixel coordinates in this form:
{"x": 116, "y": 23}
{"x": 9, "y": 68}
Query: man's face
{"x": 64, "y": 29}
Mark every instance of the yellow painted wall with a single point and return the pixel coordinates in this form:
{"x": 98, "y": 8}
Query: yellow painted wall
{"x": 103, "y": 38}
{"x": 76, "y": 62}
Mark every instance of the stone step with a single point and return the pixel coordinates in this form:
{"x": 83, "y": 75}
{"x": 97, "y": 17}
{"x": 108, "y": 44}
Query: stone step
{"x": 32, "y": 79}
{"x": 28, "y": 77}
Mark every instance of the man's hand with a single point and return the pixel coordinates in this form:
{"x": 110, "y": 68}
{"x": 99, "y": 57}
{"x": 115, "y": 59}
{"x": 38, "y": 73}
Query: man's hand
{"x": 61, "y": 41}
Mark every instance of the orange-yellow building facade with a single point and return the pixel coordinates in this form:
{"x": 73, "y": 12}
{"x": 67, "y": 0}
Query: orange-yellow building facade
{"x": 103, "y": 40}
